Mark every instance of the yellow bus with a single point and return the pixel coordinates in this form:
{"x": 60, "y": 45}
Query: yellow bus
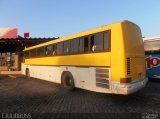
{"x": 108, "y": 59}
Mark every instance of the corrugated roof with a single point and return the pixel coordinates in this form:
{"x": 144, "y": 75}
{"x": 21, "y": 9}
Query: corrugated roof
{"x": 11, "y": 44}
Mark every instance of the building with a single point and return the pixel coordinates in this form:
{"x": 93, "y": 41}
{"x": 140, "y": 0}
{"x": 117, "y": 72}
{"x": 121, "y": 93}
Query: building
{"x": 8, "y": 33}
{"x": 11, "y": 46}
{"x": 152, "y": 43}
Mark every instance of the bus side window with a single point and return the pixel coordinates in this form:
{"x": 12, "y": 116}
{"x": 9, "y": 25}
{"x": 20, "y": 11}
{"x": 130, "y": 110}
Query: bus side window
{"x": 86, "y": 44}
{"x": 54, "y": 49}
{"x": 66, "y": 47}
{"x": 92, "y": 45}
{"x": 74, "y": 46}
{"x": 40, "y": 52}
{"x": 107, "y": 41}
{"x": 60, "y": 48}
{"x": 33, "y": 53}
{"x": 46, "y": 51}
{"x": 98, "y": 42}
{"x": 81, "y": 45}
{"x": 49, "y": 50}
{"x": 37, "y": 52}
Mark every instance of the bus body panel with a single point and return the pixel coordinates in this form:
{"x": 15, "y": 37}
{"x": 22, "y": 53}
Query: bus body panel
{"x": 102, "y": 59}
{"x": 117, "y": 53}
{"x": 86, "y": 77}
{"x": 153, "y": 66}
{"x": 97, "y": 71}
{"x": 134, "y": 51}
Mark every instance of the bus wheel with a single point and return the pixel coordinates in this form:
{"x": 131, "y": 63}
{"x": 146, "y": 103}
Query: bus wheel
{"x": 68, "y": 81}
{"x": 27, "y": 73}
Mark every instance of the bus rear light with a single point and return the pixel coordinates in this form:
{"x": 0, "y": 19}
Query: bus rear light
{"x": 126, "y": 80}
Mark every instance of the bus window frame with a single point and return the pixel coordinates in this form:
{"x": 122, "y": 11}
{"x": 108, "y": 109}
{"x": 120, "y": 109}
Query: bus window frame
{"x": 79, "y": 49}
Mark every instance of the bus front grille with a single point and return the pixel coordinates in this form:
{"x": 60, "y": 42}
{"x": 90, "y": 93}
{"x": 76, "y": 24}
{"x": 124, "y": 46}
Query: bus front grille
{"x": 102, "y": 77}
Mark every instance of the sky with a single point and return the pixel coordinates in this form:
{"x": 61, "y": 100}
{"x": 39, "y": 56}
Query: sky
{"x": 58, "y": 18}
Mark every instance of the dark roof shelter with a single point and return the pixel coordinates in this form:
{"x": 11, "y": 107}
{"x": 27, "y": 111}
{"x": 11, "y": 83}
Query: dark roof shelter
{"x": 13, "y": 44}
{"x": 11, "y": 49}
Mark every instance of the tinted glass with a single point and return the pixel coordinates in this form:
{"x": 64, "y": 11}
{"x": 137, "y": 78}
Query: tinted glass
{"x": 86, "y": 44}
{"x": 81, "y": 45}
{"x": 74, "y": 46}
{"x": 40, "y": 52}
{"x": 107, "y": 42}
{"x": 60, "y": 48}
{"x": 49, "y": 50}
{"x": 66, "y": 47}
{"x": 98, "y": 42}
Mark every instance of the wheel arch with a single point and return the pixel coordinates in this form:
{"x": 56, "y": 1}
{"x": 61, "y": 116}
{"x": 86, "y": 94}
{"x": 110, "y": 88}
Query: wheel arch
{"x": 67, "y": 80}
{"x": 63, "y": 75}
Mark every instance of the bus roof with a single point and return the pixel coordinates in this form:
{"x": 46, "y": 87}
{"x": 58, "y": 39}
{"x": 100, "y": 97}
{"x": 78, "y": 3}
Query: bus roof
{"x": 80, "y": 34}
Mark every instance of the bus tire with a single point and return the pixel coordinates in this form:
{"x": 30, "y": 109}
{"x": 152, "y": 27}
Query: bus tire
{"x": 27, "y": 73}
{"x": 68, "y": 81}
